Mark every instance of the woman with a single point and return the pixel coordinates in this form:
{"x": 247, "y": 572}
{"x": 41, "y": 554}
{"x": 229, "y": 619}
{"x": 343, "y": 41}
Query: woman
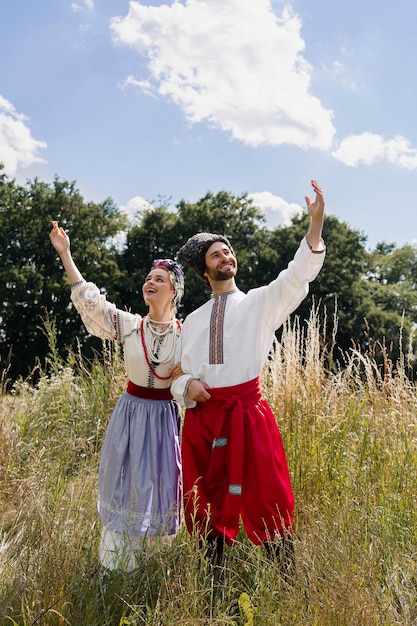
{"x": 139, "y": 494}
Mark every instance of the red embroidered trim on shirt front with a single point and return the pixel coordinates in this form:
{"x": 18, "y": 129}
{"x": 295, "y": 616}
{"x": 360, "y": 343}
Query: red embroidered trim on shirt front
{"x": 216, "y": 329}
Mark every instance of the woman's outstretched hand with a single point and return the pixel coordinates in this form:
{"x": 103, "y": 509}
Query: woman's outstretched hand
{"x": 59, "y": 238}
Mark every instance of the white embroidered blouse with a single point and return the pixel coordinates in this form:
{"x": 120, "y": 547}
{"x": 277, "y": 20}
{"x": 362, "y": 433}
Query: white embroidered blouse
{"x": 102, "y": 319}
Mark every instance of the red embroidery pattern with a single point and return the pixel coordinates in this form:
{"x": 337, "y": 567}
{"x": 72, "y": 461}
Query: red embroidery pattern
{"x": 216, "y": 329}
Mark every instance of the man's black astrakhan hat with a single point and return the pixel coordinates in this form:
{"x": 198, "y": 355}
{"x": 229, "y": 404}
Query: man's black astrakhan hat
{"x": 193, "y": 253}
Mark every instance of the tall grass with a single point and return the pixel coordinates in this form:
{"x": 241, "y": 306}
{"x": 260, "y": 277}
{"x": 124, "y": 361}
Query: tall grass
{"x": 350, "y": 431}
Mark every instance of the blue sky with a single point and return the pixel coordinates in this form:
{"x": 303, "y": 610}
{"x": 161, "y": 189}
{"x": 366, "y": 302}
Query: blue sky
{"x": 147, "y": 100}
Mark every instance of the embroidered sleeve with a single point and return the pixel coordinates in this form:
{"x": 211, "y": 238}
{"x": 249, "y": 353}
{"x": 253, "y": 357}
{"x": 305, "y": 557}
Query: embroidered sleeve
{"x": 100, "y": 317}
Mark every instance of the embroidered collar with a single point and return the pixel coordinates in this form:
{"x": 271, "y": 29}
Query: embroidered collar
{"x": 223, "y": 293}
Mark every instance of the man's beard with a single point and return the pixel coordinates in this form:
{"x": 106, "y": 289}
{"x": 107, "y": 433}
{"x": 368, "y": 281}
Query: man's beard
{"x": 219, "y": 275}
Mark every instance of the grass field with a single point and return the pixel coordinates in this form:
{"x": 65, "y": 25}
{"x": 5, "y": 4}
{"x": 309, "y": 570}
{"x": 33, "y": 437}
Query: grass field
{"x": 351, "y": 438}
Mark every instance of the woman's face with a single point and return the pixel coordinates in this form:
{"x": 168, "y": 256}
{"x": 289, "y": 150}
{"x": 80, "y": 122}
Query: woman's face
{"x": 158, "y": 287}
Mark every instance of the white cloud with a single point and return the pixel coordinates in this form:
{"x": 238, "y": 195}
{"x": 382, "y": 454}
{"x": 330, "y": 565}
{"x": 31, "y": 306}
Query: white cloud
{"x": 369, "y": 148}
{"x": 278, "y": 212}
{"x": 232, "y": 63}
{"x": 84, "y": 4}
{"x": 133, "y": 209}
{"x": 136, "y": 205}
{"x": 17, "y": 146}
{"x": 339, "y": 73}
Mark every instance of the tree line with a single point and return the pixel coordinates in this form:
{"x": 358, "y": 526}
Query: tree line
{"x": 371, "y": 295}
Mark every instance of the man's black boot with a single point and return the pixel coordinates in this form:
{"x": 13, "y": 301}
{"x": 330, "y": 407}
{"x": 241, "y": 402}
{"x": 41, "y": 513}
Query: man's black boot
{"x": 283, "y": 552}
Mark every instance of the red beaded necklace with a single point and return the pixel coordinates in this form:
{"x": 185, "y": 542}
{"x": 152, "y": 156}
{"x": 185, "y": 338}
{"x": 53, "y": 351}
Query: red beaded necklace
{"x": 145, "y": 351}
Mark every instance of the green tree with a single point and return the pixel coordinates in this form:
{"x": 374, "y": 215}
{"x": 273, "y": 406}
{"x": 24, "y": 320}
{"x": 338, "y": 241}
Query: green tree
{"x": 160, "y": 233}
{"x": 32, "y": 282}
{"x": 390, "y": 302}
{"x": 338, "y": 289}
{"x": 262, "y": 253}
{"x": 154, "y": 236}
{"x": 372, "y": 295}
{"x": 237, "y": 218}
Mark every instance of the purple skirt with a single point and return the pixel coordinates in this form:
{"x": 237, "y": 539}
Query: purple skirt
{"x": 140, "y": 489}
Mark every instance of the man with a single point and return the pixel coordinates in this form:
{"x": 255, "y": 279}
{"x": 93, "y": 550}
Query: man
{"x": 234, "y": 462}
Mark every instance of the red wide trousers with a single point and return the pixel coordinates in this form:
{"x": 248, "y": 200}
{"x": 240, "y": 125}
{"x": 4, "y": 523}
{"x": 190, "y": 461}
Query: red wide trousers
{"x": 235, "y": 467}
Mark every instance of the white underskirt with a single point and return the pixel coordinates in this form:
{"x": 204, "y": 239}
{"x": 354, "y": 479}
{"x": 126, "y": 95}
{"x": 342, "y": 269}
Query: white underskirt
{"x": 123, "y": 551}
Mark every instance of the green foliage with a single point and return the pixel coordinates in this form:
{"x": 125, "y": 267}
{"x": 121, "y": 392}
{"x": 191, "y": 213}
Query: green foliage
{"x": 154, "y": 237}
{"x": 32, "y": 282}
{"x": 390, "y": 301}
{"x": 372, "y": 294}
{"x": 233, "y": 216}
{"x": 160, "y": 233}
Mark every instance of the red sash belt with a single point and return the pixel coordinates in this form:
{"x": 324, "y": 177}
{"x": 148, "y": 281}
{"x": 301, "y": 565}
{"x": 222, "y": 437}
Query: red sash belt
{"x": 148, "y": 393}
{"x": 230, "y": 403}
